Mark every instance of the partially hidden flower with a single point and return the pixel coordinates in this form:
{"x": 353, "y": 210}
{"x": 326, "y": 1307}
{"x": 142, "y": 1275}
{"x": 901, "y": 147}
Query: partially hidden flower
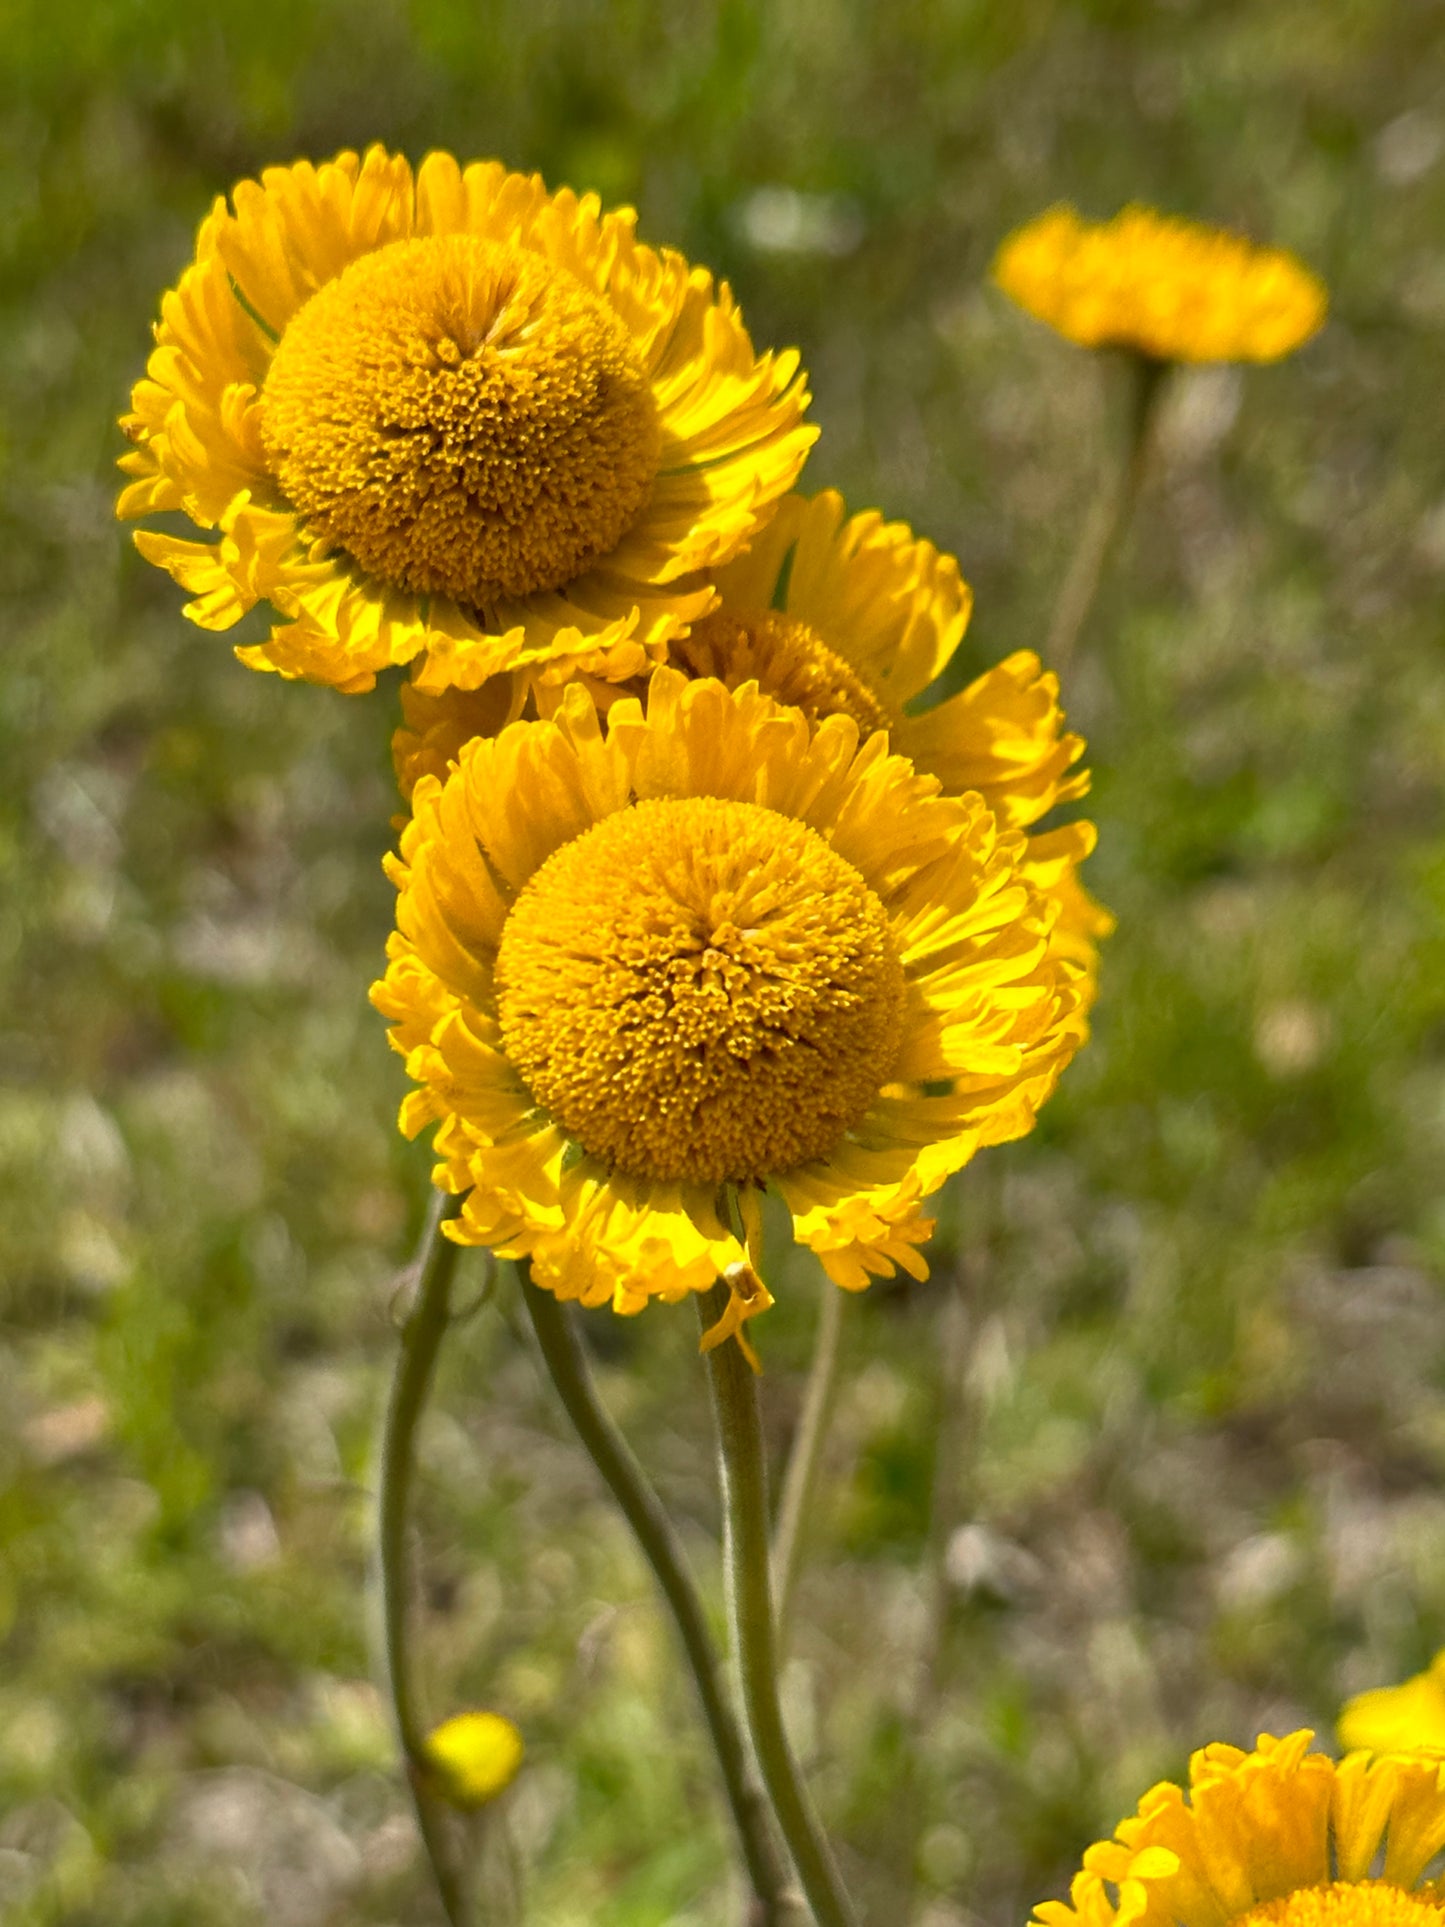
{"x": 643, "y": 972}
{"x": 1391, "y": 1718}
{"x": 1171, "y": 289}
{"x": 1279, "y": 1837}
{"x": 854, "y": 616}
{"x": 471, "y": 1758}
{"x": 451, "y": 416}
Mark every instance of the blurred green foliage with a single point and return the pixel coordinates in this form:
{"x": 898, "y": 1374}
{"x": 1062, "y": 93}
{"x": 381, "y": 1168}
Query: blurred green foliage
{"x": 1192, "y": 1415}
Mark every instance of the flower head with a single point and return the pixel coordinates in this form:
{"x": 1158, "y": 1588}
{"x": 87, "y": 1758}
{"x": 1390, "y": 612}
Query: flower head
{"x": 451, "y": 416}
{"x": 1411, "y": 1714}
{"x": 1168, "y": 288}
{"x": 1280, "y": 1837}
{"x": 845, "y": 616}
{"x": 471, "y": 1758}
{"x": 707, "y": 950}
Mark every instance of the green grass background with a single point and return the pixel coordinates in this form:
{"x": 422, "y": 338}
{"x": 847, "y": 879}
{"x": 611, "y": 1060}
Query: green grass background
{"x": 1192, "y": 1390}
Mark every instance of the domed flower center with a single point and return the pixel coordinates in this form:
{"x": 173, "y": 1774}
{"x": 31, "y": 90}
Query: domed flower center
{"x": 1349, "y": 1903}
{"x": 463, "y": 418}
{"x": 789, "y": 661}
{"x": 700, "y": 989}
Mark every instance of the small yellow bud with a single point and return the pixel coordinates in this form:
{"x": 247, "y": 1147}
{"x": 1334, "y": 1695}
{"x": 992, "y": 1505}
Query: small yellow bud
{"x": 471, "y": 1758}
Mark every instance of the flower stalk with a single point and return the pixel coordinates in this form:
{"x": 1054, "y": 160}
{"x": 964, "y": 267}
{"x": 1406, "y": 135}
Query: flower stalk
{"x": 567, "y": 1364}
{"x": 743, "y": 1478}
{"x": 422, "y": 1330}
{"x": 801, "y": 1476}
{"x": 1108, "y": 516}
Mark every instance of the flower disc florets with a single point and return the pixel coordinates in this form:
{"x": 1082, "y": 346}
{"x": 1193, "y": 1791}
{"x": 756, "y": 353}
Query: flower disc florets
{"x": 1345, "y": 1903}
{"x": 786, "y": 658}
{"x": 462, "y": 417}
{"x": 700, "y": 989}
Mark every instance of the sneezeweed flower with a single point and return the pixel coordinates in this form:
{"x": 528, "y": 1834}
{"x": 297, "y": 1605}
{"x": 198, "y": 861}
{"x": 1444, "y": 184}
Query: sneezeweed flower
{"x": 471, "y": 1758}
{"x": 1280, "y": 1837}
{"x": 1390, "y": 1718}
{"x": 1169, "y": 289}
{"x": 451, "y": 416}
{"x": 845, "y": 616}
{"x": 641, "y": 974}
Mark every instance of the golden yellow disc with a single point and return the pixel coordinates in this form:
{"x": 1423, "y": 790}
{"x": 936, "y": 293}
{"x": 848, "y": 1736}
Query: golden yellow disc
{"x": 463, "y": 418}
{"x": 700, "y": 989}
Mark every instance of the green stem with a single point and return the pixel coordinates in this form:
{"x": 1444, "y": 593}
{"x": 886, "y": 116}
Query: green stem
{"x": 802, "y": 1474}
{"x": 1107, "y": 519}
{"x": 743, "y": 1478}
{"x": 951, "y": 1428}
{"x": 422, "y": 1332}
{"x": 957, "y": 1423}
{"x": 609, "y": 1451}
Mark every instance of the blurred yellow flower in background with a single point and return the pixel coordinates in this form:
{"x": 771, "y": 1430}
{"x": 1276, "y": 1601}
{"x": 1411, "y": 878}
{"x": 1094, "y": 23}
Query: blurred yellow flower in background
{"x": 1280, "y": 1837}
{"x": 1171, "y": 289}
{"x": 451, "y": 416}
{"x": 1392, "y": 1718}
{"x": 855, "y": 616}
{"x": 471, "y": 1758}
{"x": 712, "y": 947}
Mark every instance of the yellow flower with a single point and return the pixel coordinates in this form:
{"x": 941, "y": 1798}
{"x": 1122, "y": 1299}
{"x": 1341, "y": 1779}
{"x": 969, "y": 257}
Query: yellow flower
{"x": 1171, "y": 289}
{"x": 471, "y": 1758}
{"x": 1280, "y": 1837}
{"x": 452, "y": 416}
{"x": 642, "y": 972}
{"x": 856, "y": 617}
{"x": 1405, "y": 1716}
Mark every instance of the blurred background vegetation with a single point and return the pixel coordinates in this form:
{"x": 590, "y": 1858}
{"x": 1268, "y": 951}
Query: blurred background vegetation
{"x": 1183, "y": 1347}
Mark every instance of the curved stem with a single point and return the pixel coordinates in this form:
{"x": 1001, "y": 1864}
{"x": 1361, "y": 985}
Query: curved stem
{"x": 609, "y": 1451}
{"x": 1107, "y": 519}
{"x": 803, "y": 1461}
{"x": 743, "y": 1477}
{"x": 422, "y": 1332}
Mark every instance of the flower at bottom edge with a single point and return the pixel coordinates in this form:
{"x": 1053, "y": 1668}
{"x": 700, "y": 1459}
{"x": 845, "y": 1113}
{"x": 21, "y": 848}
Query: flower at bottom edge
{"x": 1277, "y": 1837}
{"x": 701, "y": 953}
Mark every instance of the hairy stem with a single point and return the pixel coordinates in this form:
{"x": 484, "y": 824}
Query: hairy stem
{"x": 567, "y": 1363}
{"x": 422, "y": 1332}
{"x": 1107, "y": 520}
{"x": 743, "y": 1478}
{"x": 801, "y": 1476}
